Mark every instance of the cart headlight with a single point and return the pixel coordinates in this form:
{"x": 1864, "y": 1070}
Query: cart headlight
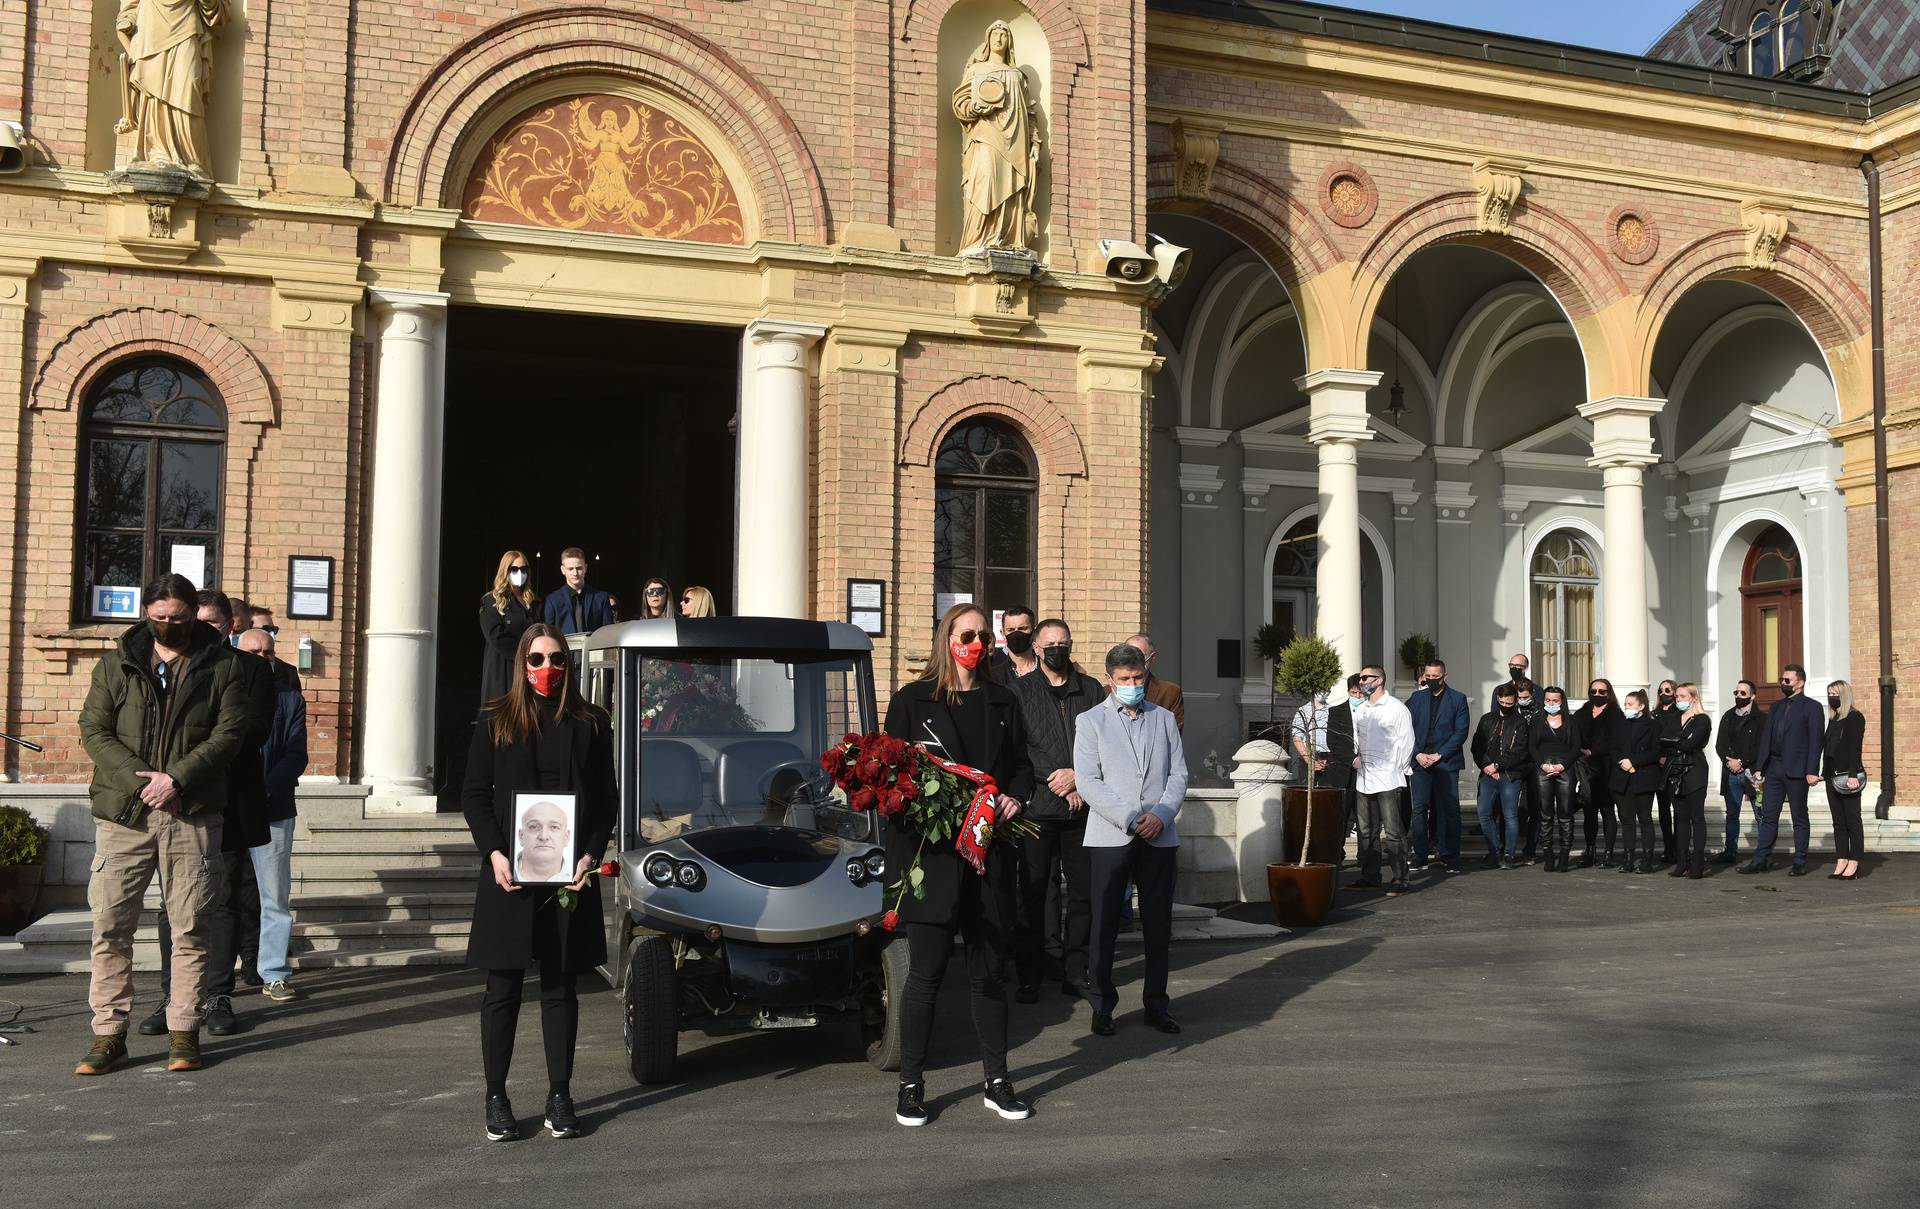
{"x": 690, "y": 875}
{"x": 658, "y": 869}
{"x": 857, "y": 873}
{"x": 876, "y": 864}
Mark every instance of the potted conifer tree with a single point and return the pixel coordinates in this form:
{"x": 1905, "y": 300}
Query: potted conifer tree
{"x": 23, "y": 854}
{"x": 1302, "y": 891}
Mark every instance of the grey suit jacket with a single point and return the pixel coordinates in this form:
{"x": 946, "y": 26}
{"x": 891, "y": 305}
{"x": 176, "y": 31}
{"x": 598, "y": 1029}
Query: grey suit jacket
{"x": 1126, "y": 766}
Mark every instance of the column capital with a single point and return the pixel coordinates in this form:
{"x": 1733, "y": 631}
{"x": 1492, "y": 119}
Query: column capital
{"x": 1622, "y": 431}
{"x": 1352, "y": 379}
{"x": 785, "y": 331}
{"x": 1337, "y": 405}
{"x": 392, "y": 298}
{"x": 864, "y": 350}
{"x": 16, "y": 279}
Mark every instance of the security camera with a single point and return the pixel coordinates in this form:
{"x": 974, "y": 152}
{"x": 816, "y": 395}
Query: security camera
{"x": 14, "y": 156}
{"x": 1123, "y": 261}
{"x": 1170, "y": 261}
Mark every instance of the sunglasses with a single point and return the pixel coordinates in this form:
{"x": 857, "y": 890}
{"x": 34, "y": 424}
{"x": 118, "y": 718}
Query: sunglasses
{"x": 686, "y": 600}
{"x": 656, "y": 591}
{"x": 518, "y": 567}
{"x": 964, "y": 637}
{"x": 541, "y": 658}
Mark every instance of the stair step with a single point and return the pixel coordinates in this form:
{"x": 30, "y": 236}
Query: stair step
{"x": 362, "y": 928}
{"x": 449, "y": 824}
{"x": 396, "y": 843}
{"x": 338, "y": 864}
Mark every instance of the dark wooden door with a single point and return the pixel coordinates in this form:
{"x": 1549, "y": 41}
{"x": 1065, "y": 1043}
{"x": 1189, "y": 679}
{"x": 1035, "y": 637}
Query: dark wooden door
{"x": 1770, "y": 612}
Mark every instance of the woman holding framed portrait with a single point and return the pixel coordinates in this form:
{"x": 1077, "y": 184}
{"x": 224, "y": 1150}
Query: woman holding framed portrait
{"x": 541, "y": 801}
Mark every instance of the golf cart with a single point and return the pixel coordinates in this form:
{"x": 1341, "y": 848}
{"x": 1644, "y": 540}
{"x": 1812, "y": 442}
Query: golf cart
{"x": 748, "y": 896}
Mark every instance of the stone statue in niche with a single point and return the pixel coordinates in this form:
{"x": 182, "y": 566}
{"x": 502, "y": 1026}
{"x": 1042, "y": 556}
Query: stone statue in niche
{"x": 166, "y": 73}
{"x": 1001, "y": 162}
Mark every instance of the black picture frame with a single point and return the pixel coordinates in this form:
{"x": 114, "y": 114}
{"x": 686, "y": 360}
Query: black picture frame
{"x": 300, "y": 599}
{"x": 860, "y": 594}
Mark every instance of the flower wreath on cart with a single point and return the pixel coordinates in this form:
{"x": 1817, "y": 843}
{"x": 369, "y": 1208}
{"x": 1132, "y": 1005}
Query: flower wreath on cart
{"x": 934, "y": 799}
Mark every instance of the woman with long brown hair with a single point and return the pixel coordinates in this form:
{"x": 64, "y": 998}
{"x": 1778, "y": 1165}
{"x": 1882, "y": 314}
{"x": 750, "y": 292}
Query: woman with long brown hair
{"x": 956, "y": 711}
{"x": 505, "y": 613}
{"x": 656, "y": 599}
{"x": 537, "y": 737}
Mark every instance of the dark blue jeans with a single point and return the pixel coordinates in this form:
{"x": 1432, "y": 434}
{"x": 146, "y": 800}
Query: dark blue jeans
{"x": 1794, "y": 791}
{"x": 1436, "y": 789}
{"x": 1502, "y": 795}
{"x": 1733, "y": 788}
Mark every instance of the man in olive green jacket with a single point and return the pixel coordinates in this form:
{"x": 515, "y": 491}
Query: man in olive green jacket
{"x": 165, "y": 714}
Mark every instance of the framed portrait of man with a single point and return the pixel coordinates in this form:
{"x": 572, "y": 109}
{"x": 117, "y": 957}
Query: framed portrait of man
{"x": 545, "y": 847}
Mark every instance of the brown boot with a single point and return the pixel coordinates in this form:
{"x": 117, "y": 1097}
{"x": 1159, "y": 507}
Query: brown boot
{"x": 108, "y": 1049}
{"x": 183, "y": 1049}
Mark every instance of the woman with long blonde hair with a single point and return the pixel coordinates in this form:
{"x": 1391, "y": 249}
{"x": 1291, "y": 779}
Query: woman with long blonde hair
{"x": 1844, "y": 766}
{"x": 505, "y": 613}
{"x": 1684, "y": 731}
{"x": 696, "y": 601}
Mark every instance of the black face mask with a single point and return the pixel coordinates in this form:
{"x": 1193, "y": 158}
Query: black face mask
{"x": 1516, "y": 671}
{"x": 1436, "y": 687}
{"x": 1788, "y": 689}
{"x": 1019, "y": 641}
{"x": 1739, "y": 700}
{"x": 1666, "y": 699}
{"x": 1833, "y": 703}
{"x": 1506, "y": 707}
{"x": 1601, "y": 698}
{"x": 174, "y": 634}
{"x": 1057, "y": 658}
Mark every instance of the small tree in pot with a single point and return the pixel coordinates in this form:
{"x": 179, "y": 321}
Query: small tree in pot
{"x": 23, "y": 850}
{"x": 1303, "y": 892}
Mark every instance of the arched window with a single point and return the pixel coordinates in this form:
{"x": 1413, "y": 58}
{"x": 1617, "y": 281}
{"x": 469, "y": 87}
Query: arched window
{"x": 1565, "y": 580}
{"x": 1793, "y": 34}
{"x": 1770, "y": 610}
{"x": 151, "y": 462}
{"x": 984, "y": 518}
{"x": 1761, "y": 60}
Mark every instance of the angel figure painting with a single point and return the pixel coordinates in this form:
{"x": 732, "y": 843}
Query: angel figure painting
{"x": 604, "y": 163}
{"x": 1001, "y": 161}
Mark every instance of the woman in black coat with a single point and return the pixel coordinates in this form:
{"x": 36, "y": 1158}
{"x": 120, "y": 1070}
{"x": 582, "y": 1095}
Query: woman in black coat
{"x": 1555, "y": 746}
{"x": 957, "y": 712}
{"x": 1597, "y": 725}
{"x": 1636, "y": 774}
{"x": 505, "y": 613}
{"x": 1684, "y": 732}
{"x": 540, "y": 738}
{"x": 1845, "y": 768}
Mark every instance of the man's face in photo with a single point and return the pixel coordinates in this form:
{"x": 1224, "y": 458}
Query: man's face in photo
{"x": 543, "y": 840}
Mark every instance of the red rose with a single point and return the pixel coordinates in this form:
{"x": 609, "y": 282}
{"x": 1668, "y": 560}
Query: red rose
{"x": 850, "y": 738}
{"x": 908, "y": 791}
{"x": 864, "y": 799}
{"x": 890, "y": 921}
{"x": 610, "y": 869}
{"x": 892, "y": 802}
{"x": 871, "y": 771}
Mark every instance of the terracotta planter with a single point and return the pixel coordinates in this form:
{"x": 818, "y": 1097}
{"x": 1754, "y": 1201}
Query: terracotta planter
{"x": 1329, "y": 824}
{"x": 1301, "y": 894}
{"x": 19, "y": 887}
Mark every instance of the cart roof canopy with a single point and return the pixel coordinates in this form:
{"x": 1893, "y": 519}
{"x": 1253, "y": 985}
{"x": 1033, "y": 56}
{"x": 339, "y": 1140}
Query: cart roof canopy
{"x": 736, "y": 634}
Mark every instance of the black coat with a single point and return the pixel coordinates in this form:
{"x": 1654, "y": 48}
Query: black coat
{"x": 1689, "y": 739}
{"x": 946, "y": 875}
{"x": 1503, "y": 740}
{"x": 1049, "y": 736}
{"x": 247, "y": 812}
{"x": 503, "y": 922}
{"x": 1549, "y": 745}
{"x": 1740, "y": 737}
{"x": 501, "y": 631}
{"x": 1338, "y": 774}
{"x": 284, "y": 757}
{"x": 1639, "y": 743}
{"x": 1841, "y": 755}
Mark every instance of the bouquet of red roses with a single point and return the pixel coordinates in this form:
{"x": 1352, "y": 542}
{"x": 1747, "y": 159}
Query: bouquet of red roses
{"x": 935, "y": 800}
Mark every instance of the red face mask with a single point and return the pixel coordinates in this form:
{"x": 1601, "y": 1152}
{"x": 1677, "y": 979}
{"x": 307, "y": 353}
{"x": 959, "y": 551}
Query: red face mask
{"x": 546, "y": 680}
{"x": 967, "y": 654}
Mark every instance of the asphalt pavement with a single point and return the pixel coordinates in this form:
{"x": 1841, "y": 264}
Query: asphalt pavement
{"x": 1494, "y": 1039}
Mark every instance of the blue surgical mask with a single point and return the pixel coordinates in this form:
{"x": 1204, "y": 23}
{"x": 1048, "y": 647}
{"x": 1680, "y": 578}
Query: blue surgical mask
{"x": 1130, "y": 695}
{"x": 1319, "y": 698}
{"x": 1552, "y": 708}
{"x": 1631, "y": 713}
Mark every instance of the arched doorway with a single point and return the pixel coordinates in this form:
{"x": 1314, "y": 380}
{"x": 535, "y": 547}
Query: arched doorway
{"x": 1770, "y": 611}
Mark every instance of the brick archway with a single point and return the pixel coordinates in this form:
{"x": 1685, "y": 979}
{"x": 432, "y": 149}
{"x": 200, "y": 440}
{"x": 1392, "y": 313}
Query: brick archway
{"x": 1044, "y": 425}
{"x": 578, "y": 40}
{"x": 88, "y": 350}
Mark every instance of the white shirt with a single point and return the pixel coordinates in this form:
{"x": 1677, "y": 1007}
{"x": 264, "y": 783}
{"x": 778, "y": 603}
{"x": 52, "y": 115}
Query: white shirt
{"x": 1310, "y": 719}
{"x": 1383, "y": 739}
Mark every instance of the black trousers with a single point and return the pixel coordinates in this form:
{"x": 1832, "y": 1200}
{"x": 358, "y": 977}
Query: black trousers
{"x": 929, "y": 948}
{"x": 235, "y": 931}
{"x": 1636, "y": 822}
{"x": 1598, "y": 812}
{"x": 1665, "y": 802}
{"x": 1849, "y": 837}
{"x": 1690, "y": 829}
{"x": 1043, "y": 859}
{"x": 1151, "y": 869}
{"x": 500, "y": 1019}
{"x": 1555, "y": 797}
{"x": 1533, "y": 821}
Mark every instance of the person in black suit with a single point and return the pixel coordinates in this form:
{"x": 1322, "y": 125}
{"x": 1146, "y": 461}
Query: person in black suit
{"x": 1788, "y": 763}
{"x": 575, "y": 607}
{"x": 1845, "y": 768}
{"x": 1554, "y": 743}
{"x": 1684, "y": 731}
{"x": 541, "y": 737}
{"x": 1597, "y": 725}
{"x": 1738, "y": 747}
{"x": 957, "y": 712}
{"x": 1634, "y": 776}
{"x": 1532, "y": 822}
{"x": 1663, "y": 702}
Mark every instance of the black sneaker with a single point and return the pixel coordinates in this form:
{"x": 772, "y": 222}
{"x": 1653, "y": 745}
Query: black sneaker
{"x": 250, "y": 976}
{"x": 1027, "y": 992}
{"x": 1490, "y": 861}
{"x": 560, "y": 1121}
{"x": 912, "y": 1109}
{"x": 1002, "y": 1099}
{"x": 155, "y": 1025}
{"x": 1506, "y": 862}
{"x": 217, "y": 1015}
{"x": 501, "y": 1127}
{"x": 1726, "y": 856}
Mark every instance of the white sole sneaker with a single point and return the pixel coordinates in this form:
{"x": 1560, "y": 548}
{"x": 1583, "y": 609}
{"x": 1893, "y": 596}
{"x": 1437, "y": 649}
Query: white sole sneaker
{"x": 910, "y": 1122}
{"x": 1005, "y": 1115}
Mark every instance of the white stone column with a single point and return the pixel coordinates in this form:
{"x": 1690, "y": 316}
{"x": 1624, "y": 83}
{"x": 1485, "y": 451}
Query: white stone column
{"x": 772, "y": 560}
{"x": 403, "y": 547}
{"x": 1824, "y": 603}
{"x": 1337, "y": 401}
{"x": 1622, "y": 450}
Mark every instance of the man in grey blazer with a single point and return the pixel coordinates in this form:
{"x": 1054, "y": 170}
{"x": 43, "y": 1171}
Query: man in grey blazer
{"x": 1130, "y": 767}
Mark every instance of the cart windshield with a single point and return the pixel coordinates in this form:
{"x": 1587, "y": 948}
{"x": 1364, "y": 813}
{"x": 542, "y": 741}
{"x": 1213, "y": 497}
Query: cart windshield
{"x": 725, "y": 740}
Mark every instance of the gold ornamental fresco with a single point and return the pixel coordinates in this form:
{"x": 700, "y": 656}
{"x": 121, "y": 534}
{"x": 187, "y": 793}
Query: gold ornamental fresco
{"x": 604, "y": 163}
